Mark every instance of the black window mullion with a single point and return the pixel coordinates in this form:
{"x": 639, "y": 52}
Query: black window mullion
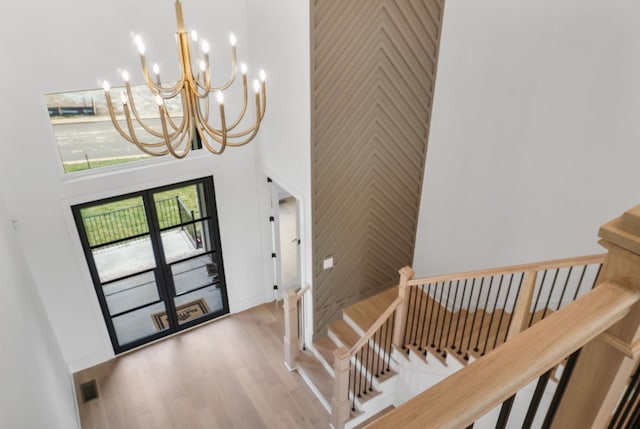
{"x": 213, "y": 234}
{"x": 165, "y": 280}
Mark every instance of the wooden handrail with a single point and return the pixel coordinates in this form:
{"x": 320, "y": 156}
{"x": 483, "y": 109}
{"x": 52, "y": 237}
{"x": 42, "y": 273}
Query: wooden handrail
{"x": 303, "y": 290}
{"x": 467, "y": 395}
{"x": 374, "y": 328}
{"x": 512, "y": 269}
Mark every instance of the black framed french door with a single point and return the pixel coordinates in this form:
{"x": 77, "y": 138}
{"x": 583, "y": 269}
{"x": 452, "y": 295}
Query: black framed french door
{"x": 155, "y": 260}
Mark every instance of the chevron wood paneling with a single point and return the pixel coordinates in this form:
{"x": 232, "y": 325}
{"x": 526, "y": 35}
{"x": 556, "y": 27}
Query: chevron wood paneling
{"x": 373, "y": 73}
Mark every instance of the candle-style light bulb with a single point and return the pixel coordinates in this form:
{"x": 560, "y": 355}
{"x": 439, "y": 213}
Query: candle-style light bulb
{"x": 156, "y": 68}
{"x": 139, "y": 44}
{"x": 220, "y": 97}
{"x": 204, "y": 46}
{"x": 125, "y": 75}
{"x": 263, "y": 75}
{"x": 159, "y": 100}
{"x": 256, "y": 86}
{"x": 124, "y": 98}
{"x": 233, "y": 40}
{"x": 243, "y": 68}
{"x": 194, "y": 35}
{"x": 106, "y": 86}
{"x": 203, "y": 65}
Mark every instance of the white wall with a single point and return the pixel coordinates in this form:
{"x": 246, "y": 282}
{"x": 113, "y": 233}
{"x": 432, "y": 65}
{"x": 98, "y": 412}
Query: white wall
{"x": 279, "y": 42}
{"x": 69, "y": 45}
{"x": 535, "y": 134}
{"x": 36, "y": 385}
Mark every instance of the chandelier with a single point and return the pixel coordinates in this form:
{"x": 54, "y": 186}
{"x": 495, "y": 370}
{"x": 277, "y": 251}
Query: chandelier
{"x": 178, "y": 133}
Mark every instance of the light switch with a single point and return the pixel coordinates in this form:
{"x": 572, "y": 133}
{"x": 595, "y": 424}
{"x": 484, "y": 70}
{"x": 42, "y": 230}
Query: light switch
{"x": 327, "y": 263}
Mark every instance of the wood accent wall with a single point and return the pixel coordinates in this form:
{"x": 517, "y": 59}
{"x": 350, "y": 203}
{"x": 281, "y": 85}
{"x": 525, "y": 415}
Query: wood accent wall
{"x": 373, "y": 68}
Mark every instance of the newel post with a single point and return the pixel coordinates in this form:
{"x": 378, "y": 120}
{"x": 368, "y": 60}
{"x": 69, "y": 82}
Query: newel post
{"x": 406, "y": 274}
{"x": 340, "y": 399}
{"x": 291, "y": 340}
{"x": 605, "y": 364}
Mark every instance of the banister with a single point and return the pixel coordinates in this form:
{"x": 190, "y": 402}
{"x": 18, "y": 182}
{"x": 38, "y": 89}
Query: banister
{"x": 291, "y": 327}
{"x": 512, "y": 269}
{"x": 303, "y": 290}
{"x": 374, "y": 328}
{"x": 460, "y": 399}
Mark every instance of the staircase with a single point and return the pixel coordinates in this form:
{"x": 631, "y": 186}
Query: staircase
{"x": 427, "y": 355}
{"x": 374, "y": 374}
{"x": 438, "y": 326}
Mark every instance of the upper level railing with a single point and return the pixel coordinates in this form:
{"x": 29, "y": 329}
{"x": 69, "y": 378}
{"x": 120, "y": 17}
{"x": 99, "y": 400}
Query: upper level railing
{"x": 473, "y": 312}
{"x": 464, "y": 397}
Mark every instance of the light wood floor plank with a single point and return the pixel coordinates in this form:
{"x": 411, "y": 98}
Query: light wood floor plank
{"x": 226, "y": 374}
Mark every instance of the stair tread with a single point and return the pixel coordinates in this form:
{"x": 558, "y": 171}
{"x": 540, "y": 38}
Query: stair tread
{"x": 318, "y": 375}
{"x": 325, "y": 346}
{"x": 366, "y": 312}
{"x": 345, "y": 333}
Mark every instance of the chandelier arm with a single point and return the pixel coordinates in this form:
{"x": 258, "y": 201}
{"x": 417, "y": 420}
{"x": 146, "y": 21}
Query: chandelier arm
{"x": 139, "y": 120}
{"x": 115, "y": 122}
{"x": 203, "y": 133}
{"x": 131, "y": 138}
{"x": 170, "y": 120}
{"x": 157, "y": 88}
{"x": 139, "y": 144}
{"x": 234, "y": 72}
{"x": 251, "y": 131}
{"x": 263, "y": 106}
{"x": 244, "y": 104}
{"x": 222, "y": 139}
{"x": 206, "y": 110}
{"x": 219, "y": 134}
{"x": 206, "y": 85}
{"x": 168, "y": 142}
{"x": 255, "y": 127}
{"x": 122, "y": 133}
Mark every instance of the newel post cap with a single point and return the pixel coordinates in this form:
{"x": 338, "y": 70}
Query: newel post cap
{"x": 623, "y": 232}
{"x": 406, "y": 273}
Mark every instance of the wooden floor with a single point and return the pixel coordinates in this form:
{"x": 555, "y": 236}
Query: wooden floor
{"x": 226, "y": 374}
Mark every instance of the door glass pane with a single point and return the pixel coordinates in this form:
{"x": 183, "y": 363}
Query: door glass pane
{"x": 120, "y": 261}
{"x": 115, "y": 221}
{"x": 141, "y": 323}
{"x": 194, "y": 273}
{"x": 131, "y": 292}
{"x": 185, "y": 241}
{"x": 180, "y": 205}
{"x": 197, "y": 304}
{"x": 118, "y": 235}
